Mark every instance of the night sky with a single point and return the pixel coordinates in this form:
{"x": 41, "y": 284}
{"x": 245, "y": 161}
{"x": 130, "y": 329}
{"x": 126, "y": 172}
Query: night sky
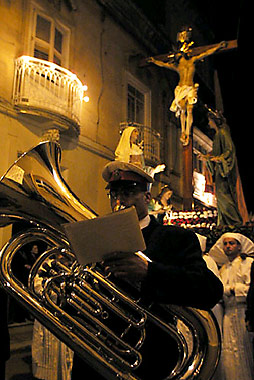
{"x": 232, "y": 21}
{"x": 236, "y": 76}
{"x": 229, "y": 20}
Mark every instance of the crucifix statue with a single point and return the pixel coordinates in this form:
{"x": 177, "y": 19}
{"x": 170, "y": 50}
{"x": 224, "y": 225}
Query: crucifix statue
{"x": 183, "y": 61}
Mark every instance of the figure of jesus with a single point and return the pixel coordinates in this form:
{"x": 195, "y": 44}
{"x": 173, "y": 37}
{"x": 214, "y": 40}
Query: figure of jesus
{"x": 183, "y": 62}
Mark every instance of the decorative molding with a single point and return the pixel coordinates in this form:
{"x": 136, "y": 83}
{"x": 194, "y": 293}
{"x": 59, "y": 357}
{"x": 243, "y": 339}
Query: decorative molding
{"x": 94, "y": 147}
{"x": 71, "y": 4}
{"x": 52, "y": 134}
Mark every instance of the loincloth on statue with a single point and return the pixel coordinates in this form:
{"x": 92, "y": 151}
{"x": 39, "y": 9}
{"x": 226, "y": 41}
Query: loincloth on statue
{"x": 190, "y": 93}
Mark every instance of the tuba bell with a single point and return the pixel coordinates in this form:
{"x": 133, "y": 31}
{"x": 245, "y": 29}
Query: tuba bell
{"x": 102, "y": 321}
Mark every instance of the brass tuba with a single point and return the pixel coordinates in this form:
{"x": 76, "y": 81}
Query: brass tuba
{"x": 101, "y": 320}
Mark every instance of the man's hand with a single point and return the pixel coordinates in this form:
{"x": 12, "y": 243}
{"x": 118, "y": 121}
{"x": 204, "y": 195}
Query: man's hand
{"x": 127, "y": 266}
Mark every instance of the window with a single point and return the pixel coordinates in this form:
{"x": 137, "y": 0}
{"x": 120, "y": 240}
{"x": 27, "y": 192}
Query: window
{"x": 136, "y": 105}
{"x": 50, "y": 39}
{"x": 138, "y": 101}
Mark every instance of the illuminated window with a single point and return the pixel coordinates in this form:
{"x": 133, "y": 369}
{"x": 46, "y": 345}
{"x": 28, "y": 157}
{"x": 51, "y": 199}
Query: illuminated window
{"x": 50, "y": 39}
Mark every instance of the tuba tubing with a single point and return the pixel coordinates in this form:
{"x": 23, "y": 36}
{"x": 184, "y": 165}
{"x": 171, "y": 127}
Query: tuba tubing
{"x": 101, "y": 320}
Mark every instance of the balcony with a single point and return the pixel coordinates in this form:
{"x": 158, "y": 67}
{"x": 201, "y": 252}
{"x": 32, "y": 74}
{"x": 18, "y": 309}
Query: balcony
{"x": 48, "y": 90}
{"x": 151, "y": 142}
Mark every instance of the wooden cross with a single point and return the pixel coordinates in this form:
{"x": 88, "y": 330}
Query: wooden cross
{"x": 186, "y": 70}
{"x": 193, "y": 51}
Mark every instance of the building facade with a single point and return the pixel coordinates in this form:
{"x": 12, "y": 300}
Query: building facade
{"x": 57, "y": 53}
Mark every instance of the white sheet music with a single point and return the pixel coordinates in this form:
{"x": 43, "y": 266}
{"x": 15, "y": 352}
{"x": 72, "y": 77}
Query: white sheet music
{"x": 92, "y": 239}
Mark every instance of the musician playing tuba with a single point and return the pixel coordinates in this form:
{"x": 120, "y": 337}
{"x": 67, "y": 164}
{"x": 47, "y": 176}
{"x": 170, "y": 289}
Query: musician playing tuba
{"x": 171, "y": 272}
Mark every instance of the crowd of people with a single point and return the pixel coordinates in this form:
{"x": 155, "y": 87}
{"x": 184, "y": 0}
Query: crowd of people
{"x": 221, "y": 280}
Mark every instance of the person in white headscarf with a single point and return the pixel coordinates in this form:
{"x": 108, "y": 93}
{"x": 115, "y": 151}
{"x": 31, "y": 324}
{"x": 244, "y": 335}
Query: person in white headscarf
{"x": 127, "y": 149}
{"x": 233, "y": 251}
{"x": 130, "y": 151}
{"x": 217, "y": 251}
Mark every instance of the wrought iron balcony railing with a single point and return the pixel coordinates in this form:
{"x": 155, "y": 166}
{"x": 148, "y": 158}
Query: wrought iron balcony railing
{"x": 45, "y": 87}
{"x": 151, "y": 142}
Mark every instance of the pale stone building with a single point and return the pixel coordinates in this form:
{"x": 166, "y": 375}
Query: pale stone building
{"x": 98, "y": 44}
